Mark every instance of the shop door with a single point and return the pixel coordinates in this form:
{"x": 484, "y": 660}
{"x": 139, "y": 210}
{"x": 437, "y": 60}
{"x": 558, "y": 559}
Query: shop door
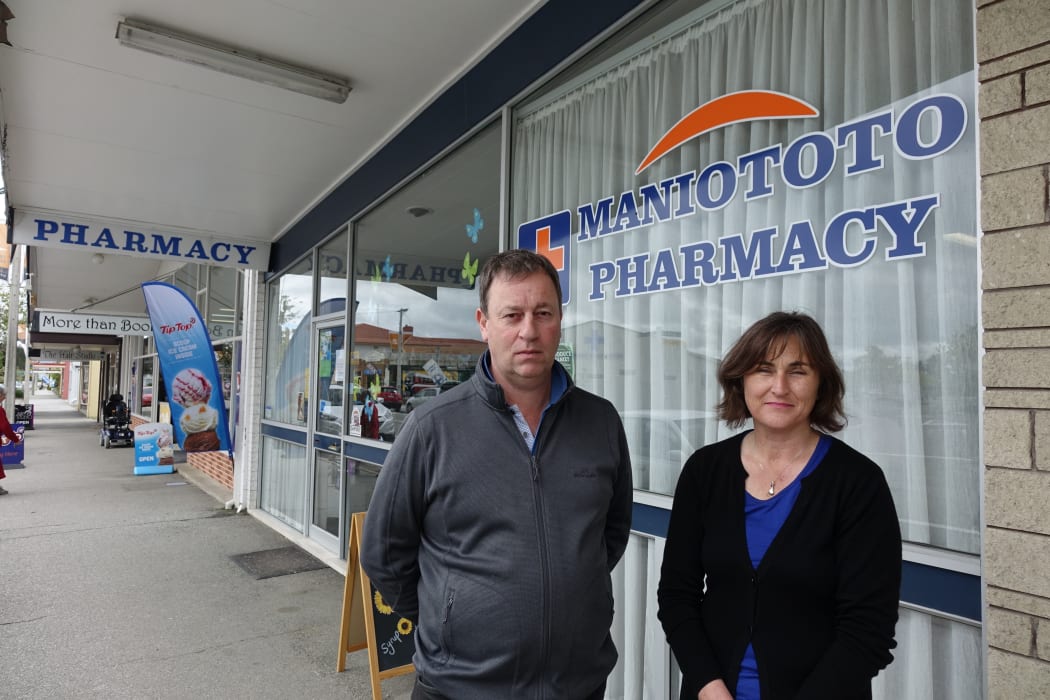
{"x": 329, "y": 416}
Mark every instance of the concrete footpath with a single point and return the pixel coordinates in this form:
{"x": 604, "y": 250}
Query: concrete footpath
{"x": 121, "y": 586}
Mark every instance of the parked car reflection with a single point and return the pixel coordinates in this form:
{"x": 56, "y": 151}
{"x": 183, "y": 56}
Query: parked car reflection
{"x": 661, "y": 440}
{"x": 330, "y": 417}
{"x": 425, "y": 394}
{"x": 389, "y": 397}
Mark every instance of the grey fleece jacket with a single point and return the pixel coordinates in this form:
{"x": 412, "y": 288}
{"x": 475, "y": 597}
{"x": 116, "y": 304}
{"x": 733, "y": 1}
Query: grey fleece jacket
{"x": 502, "y": 557}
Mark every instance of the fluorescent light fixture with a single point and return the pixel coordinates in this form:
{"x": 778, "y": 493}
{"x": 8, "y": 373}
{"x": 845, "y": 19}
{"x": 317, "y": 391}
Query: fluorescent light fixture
{"x": 226, "y": 59}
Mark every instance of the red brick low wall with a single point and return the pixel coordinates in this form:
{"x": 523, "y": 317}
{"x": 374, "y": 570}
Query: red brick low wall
{"x": 216, "y": 465}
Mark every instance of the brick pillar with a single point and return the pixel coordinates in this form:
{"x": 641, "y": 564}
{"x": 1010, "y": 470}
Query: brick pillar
{"x": 1013, "y": 53}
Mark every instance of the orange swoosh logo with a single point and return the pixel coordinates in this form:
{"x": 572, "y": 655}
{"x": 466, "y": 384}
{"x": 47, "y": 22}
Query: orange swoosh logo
{"x": 746, "y": 105}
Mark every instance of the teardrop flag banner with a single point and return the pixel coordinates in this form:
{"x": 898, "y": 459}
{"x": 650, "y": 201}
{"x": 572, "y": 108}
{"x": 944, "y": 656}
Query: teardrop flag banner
{"x": 191, "y": 375}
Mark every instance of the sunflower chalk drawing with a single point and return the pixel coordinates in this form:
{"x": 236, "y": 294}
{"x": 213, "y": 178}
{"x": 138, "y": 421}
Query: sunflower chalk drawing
{"x": 381, "y": 606}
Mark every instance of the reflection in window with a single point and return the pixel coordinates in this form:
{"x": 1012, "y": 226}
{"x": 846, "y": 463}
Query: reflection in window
{"x": 644, "y": 332}
{"x": 331, "y": 373}
{"x": 360, "y": 483}
{"x": 283, "y": 482}
{"x": 223, "y": 301}
{"x": 288, "y": 345}
{"x": 144, "y": 395}
{"x": 228, "y": 358}
{"x": 331, "y": 272}
{"x": 186, "y": 280}
{"x": 658, "y": 298}
{"x": 415, "y": 265}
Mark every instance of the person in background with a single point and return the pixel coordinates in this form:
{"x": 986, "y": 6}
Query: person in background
{"x": 369, "y": 418}
{"x": 7, "y": 431}
{"x": 782, "y": 567}
{"x": 502, "y": 509}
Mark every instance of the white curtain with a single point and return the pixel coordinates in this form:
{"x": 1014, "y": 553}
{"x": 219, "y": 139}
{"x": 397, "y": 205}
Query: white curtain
{"x": 904, "y": 331}
{"x": 282, "y": 491}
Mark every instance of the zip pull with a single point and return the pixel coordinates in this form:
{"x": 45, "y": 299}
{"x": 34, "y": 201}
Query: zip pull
{"x": 535, "y": 468}
{"x": 448, "y": 608}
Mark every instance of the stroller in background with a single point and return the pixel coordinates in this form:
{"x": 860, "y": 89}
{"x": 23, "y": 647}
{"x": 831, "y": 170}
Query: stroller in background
{"x": 115, "y": 419}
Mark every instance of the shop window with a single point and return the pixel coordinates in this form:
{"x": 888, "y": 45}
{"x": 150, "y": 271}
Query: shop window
{"x": 415, "y": 264}
{"x": 332, "y": 270}
{"x": 859, "y": 210}
{"x": 282, "y": 488}
{"x": 145, "y": 391}
{"x": 185, "y": 278}
{"x": 222, "y": 309}
{"x": 289, "y": 303}
{"x": 226, "y": 359}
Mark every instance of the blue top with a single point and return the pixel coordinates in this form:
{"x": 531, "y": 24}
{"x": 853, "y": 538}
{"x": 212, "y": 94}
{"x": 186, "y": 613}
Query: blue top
{"x": 762, "y": 522}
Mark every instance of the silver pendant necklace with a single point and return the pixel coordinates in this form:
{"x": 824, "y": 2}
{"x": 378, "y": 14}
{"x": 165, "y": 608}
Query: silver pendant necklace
{"x": 773, "y": 484}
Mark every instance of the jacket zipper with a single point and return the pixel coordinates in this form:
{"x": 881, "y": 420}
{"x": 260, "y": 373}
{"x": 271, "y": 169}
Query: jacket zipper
{"x": 545, "y": 577}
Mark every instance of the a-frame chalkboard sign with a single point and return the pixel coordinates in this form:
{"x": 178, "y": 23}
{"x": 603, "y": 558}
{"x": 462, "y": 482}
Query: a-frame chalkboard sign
{"x": 371, "y": 623}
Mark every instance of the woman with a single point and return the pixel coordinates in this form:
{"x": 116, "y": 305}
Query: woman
{"x": 781, "y": 571}
{"x": 6, "y": 431}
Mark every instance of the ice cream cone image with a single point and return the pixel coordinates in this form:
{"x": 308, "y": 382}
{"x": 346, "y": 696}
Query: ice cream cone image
{"x": 192, "y": 390}
{"x": 165, "y": 449}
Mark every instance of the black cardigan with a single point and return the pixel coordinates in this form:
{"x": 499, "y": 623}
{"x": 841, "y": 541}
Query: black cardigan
{"x": 821, "y": 608}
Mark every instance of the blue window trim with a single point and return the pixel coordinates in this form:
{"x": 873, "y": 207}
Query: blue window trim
{"x": 354, "y": 450}
{"x": 942, "y": 590}
{"x": 951, "y": 592}
{"x": 365, "y": 453}
{"x": 298, "y": 436}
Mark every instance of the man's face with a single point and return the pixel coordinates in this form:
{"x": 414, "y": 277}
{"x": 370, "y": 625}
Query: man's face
{"x": 522, "y": 328}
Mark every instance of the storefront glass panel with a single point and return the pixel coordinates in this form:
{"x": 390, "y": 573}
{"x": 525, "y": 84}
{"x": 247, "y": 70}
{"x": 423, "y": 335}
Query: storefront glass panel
{"x": 331, "y": 373}
{"x": 144, "y": 391}
{"x": 282, "y": 490}
{"x": 221, "y": 312}
{"x": 185, "y": 278}
{"x": 326, "y": 491}
{"x": 416, "y": 261}
{"x": 360, "y": 483}
{"x": 331, "y": 272}
{"x": 861, "y": 212}
{"x": 289, "y": 305}
{"x": 846, "y": 190}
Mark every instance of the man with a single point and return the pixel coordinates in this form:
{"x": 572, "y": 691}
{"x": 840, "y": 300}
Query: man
{"x": 501, "y": 510}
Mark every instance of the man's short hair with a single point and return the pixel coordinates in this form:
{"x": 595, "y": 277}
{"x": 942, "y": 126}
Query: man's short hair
{"x": 515, "y": 264}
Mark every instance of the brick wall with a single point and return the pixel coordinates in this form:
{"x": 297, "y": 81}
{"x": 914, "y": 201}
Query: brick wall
{"x": 1013, "y": 51}
{"x": 216, "y": 465}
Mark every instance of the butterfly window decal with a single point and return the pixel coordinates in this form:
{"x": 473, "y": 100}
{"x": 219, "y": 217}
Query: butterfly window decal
{"x": 474, "y": 228}
{"x": 470, "y": 269}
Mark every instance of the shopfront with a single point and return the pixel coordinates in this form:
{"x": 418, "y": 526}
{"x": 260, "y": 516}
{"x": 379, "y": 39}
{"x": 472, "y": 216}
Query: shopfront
{"x": 704, "y": 164}
{"x": 218, "y": 293}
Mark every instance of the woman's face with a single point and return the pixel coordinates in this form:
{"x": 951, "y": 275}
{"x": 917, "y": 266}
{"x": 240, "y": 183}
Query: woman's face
{"x": 780, "y": 392}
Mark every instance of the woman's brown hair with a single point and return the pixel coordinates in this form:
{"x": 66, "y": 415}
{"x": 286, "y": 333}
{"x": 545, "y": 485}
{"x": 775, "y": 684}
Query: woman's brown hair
{"x": 766, "y": 339}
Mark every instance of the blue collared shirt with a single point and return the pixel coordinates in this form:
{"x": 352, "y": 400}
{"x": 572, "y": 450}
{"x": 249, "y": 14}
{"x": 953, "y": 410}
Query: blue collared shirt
{"x": 559, "y": 385}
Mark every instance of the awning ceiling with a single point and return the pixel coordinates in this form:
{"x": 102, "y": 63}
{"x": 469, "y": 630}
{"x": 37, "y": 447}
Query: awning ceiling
{"x": 101, "y": 130}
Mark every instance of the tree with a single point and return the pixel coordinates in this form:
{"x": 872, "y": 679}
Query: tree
{"x": 23, "y": 314}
